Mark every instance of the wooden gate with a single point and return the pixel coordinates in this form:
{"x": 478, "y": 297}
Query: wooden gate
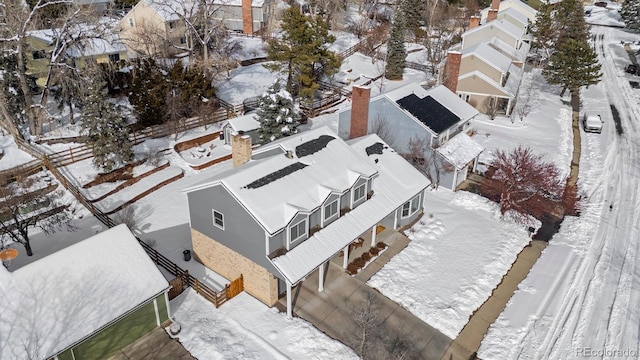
{"x": 235, "y": 287}
{"x": 177, "y": 287}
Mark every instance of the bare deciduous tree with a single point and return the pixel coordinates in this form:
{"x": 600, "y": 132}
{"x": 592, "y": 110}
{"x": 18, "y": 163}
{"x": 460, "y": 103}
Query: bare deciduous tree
{"x": 22, "y": 208}
{"x": 491, "y": 106}
{"x": 383, "y": 128}
{"x": 426, "y": 160}
{"x": 523, "y": 182}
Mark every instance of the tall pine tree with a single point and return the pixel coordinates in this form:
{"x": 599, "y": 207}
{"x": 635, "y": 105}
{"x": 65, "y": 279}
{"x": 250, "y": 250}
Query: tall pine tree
{"x": 630, "y": 13}
{"x": 106, "y": 130}
{"x": 544, "y": 30}
{"x": 277, "y": 114}
{"x": 574, "y": 64}
{"x": 301, "y": 53}
{"x": 568, "y": 19}
{"x": 396, "y": 51}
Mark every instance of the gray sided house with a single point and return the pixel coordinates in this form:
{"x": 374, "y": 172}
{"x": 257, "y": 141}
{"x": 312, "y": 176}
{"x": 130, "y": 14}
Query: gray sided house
{"x": 297, "y": 203}
{"x": 437, "y": 119}
{"x": 86, "y": 301}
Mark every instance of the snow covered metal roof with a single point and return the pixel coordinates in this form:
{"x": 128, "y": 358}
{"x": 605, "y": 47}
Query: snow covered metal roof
{"x": 244, "y": 123}
{"x": 489, "y": 55}
{"x": 503, "y": 25}
{"x": 514, "y": 14}
{"x": 396, "y": 184}
{"x": 90, "y": 39}
{"x": 313, "y": 165}
{"x": 460, "y": 150}
{"x": 53, "y": 303}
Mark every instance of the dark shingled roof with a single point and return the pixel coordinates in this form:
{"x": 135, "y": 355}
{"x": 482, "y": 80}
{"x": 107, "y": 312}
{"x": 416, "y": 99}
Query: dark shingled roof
{"x": 313, "y": 146}
{"x": 375, "y": 149}
{"x": 278, "y": 174}
{"x": 430, "y": 112}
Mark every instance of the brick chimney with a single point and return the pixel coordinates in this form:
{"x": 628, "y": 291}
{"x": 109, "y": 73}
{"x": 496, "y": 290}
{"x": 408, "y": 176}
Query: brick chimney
{"x": 240, "y": 149}
{"x": 474, "y": 22}
{"x": 360, "y": 96}
{"x": 493, "y": 11}
{"x": 492, "y": 15}
{"x": 452, "y": 70}
{"x": 247, "y": 17}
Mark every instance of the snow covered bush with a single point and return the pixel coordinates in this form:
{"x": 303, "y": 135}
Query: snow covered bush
{"x": 277, "y": 114}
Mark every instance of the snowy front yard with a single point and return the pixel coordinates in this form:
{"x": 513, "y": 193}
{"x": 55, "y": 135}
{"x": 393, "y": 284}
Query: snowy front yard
{"x": 460, "y": 250}
{"x": 244, "y": 328}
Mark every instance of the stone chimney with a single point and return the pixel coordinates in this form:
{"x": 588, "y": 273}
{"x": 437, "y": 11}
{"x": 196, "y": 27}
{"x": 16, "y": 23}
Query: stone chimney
{"x": 247, "y": 17}
{"x": 474, "y": 22}
{"x": 452, "y": 70}
{"x": 360, "y": 96}
{"x": 240, "y": 149}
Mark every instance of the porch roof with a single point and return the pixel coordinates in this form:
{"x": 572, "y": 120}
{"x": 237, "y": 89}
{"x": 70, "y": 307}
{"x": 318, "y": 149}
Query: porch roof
{"x": 396, "y": 184}
{"x": 460, "y": 150}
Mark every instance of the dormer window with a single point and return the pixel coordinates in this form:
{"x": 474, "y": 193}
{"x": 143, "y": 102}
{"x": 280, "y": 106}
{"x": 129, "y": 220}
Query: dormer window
{"x": 331, "y": 210}
{"x": 359, "y": 193}
{"x": 298, "y": 231}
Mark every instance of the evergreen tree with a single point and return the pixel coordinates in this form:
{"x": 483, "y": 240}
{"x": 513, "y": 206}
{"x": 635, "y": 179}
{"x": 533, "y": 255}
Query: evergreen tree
{"x": 396, "y": 51}
{"x": 277, "y": 114}
{"x": 413, "y": 11}
{"x": 544, "y": 30}
{"x": 301, "y": 52}
{"x": 574, "y": 64}
{"x": 569, "y": 21}
{"x": 106, "y": 130}
{"x": 148, "y": 92}
{"x": 630, "y": 13}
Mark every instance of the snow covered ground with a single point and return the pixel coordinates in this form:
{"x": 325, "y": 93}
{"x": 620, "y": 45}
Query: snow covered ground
{"x": 12, "y": 155}
{"x": 582, "y": 298}
{"x": 244, "y": 328}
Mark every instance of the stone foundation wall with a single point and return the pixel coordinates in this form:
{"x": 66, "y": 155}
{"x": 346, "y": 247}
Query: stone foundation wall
{"x": 257, "y": 280}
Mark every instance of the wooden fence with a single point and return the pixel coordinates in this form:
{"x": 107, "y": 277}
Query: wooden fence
{"x": 216, "y": 297}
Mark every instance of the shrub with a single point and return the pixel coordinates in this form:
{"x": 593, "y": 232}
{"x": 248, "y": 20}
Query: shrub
{"x": 380, "y": 245}
{"x": 352, "y": 269}
{"x": 359, "y": 262}
{"x": 365, "y": 257}
{"x": 374, "y": 251}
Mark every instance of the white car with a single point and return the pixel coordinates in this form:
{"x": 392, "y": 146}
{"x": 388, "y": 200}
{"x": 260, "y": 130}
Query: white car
{"x": 592, "y": 123}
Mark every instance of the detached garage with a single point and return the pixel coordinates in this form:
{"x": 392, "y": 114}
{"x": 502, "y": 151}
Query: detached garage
{"x": 86, "y": 301}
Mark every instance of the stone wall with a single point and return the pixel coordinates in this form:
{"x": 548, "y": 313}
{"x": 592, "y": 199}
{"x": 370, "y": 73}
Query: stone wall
{"x": 257, "y": 280}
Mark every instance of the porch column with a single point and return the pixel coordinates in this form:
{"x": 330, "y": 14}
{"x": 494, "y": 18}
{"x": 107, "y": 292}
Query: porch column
{"x": 321, "y": 277}
{"x": 289, "y": 307}
{"x": 455, "y": 179}
{"x": 475, "y": 164}
{"x": 373, "y": 234}
{"x": 508, "y": 110}
{"x": 345, "y": 257}
{"x": 395, "y": 220}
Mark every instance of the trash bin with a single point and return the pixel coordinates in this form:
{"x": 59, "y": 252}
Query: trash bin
{"x": 187, "y": 255}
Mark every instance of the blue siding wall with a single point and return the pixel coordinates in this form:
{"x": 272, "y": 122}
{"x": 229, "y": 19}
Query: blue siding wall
{"x": 241, "y": 231}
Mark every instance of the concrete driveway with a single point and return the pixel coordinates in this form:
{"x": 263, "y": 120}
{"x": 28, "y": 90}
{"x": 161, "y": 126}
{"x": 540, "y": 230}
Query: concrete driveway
{"x": 362, "y": 318}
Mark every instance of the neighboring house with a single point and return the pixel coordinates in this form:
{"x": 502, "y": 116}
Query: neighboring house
{"x": 86, "y": 301}
{"x": 517, "y": 5}
{"x": 296, "y": 204}
{"x": 436, "y": 117}
{"x": 501, "y": 29}
{"x": 99, "y": 6}
{"x": 159, "y": 26}
{"x": 488, "y": 79}
{"x": 486, "y": 69}
{"x": 107, "y": 48}
{"x": 246, "y": 125}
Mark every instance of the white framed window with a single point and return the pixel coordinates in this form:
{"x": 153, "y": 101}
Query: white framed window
{"x": 218, "y": 219}
{"x": 411, "y": 207}
{"x": 359, "y": 192}
{"x": 298, "y": 231}
{"x": 130, "y": 21}
{"x": 331, "y": 210}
